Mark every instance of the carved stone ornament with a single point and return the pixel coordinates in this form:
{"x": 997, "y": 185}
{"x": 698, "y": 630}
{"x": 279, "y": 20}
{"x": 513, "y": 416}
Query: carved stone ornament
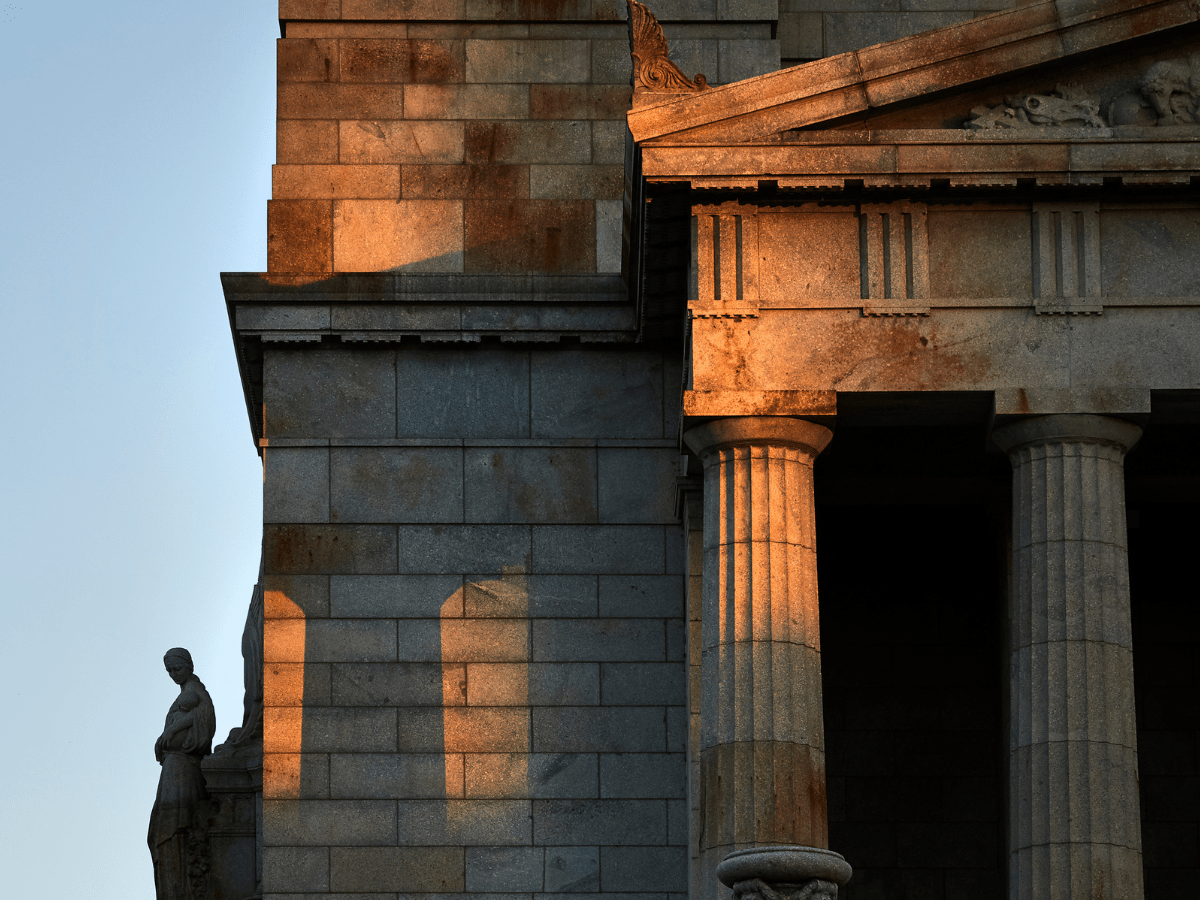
{"x": 1166, "y": 95}
{"x": 178, "y": 835}
{"x": 245, "y": 741}
{"x": 1066, "y": 107}
{"x": 652, "y": 70}
{"x": 784, "y": 873}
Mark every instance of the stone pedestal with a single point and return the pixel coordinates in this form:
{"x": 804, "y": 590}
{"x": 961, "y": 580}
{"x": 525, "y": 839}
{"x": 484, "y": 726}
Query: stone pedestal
{"x": 1074, "y": 829}
{"x": 235, "y": 787}
{"x": 762, "y": 752}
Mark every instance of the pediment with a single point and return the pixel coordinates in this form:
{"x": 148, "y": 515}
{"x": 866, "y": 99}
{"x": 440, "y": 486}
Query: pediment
{"x": 1060, "y": 69}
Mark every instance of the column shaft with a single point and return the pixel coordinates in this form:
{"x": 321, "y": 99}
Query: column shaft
{"x": 762, "y": 755}
{"x": 1074, "y": 828}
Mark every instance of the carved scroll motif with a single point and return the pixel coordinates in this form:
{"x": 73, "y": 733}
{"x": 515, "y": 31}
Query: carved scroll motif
{"x": 652, "y": 70}
{"x": 757, "y": 889}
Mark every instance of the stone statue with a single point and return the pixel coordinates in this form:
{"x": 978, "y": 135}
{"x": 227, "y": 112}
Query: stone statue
{"x": 177, "y": 838}
{"x": 246, "y": 740}
{"x": 1168, "y": 93}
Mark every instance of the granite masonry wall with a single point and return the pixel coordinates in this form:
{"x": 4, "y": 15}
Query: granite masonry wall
{"x": 474, "y": 638}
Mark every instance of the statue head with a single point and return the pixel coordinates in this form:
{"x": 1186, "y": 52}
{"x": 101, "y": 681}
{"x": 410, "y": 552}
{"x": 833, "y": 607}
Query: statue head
{"x": 179, "y": 664}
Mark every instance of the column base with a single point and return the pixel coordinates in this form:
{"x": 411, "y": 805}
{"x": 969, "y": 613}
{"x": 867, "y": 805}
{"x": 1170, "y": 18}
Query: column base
{"x": 784, "y": 873}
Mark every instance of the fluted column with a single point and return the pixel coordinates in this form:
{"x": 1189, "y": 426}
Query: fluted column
{"x": 1074, "y": 828}
{"x": 762, "y": 752}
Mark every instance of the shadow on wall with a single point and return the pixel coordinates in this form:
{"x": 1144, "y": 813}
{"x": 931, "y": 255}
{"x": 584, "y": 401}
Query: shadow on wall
{"x": 457, "y": 708}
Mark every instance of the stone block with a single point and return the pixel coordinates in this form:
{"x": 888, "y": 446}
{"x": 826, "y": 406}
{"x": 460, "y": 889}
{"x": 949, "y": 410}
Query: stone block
{"x": 529, "y": 236}
{"x": 676, "y": 640}
{"x": 307, "y": 9}
{"x": 695, "y": 57}
{"x": 381, "y": 776}
{"x": 678, "y": 729}
{"x": 373, "y": 869}
{"x": 568, "y": 182}
{"x": 577, "y": 393}
{"x": 520, "y": 595}
{"x": 462, "y": 182}
{"x": 505, "y": 868}
{"x": 530, "y": 484}
{"x": 423, "y": 143}
{"x": 336, "y": 549}
{"x": 582, "y": 101}
{"x": 537, "y": 775}
{"x": 419, "y": 61}
{"x": 466, "y": 101}
{"x": 527, "y": 62}
{"x": 396, "y": 484}
{"x": 420, "y": 640}
{"x": 642, "y": 775}
{"x": 561, "y": 142}
{"x": 643, "y": 684}
{"x": 460, "y": 822}
{"x": 398, "y": 235}
{"x": 350, "y": 640}
{"x": 296, "y": 869}
{"x": 608, "y": 143}
{"x": 396, "y": 596}
{"x": 1148, "y": 253}
{"x": 328, "y": 823}
{"x": 287, "y": 597}
{"x": 590, "y": 729}
{"x": 600, "y": 640}
{"x": 615, "y": 549}
{"x": 801, "y": 35}
{"x": 296, "y": 684}
{"x": 299, "y": 236}
{"x": 564, "y": 684}
{"x": 485, "y": 640}
{"x": 611, "y": 64}
{"x": 459, "y": 392}
{"x": 846, "y": 31}
{"x": 746, "y": 11}
{"x": 296, "y": 484}
{"x": 599, "y": 822}
{"x": 306, "y": 59}
{"x": 338, "y": 182}
{"x": 283, "y": 640}
{"x": 462, "y": 548}
{"x": 533, "y": 684}
{"x": 329, "y": 392}
{"x": 678, "y": 819}
{"x": 637, "y": 485}
{"x": 340, "y": 101}
{"x": 389, "y": 684}
{"x": 609, "y": 236}
{"x": 641, "y": 596}
{"x": 572, "y": 869}
{"x": 486, "y": 730}
{"x": 973, "y": 254}
{"x": 644, "y": 868}
{"x": 301, "y": 141}
{"x": 740, "y": 60}
{"x": 335, "y": 729}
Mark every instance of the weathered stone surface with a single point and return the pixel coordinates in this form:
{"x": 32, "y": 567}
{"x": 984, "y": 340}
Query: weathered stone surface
{"x": 335, "y": 392}
{"x": 399, "y": 235}
{"x": 396, "y": 484}
{"x": 527, "y": 484}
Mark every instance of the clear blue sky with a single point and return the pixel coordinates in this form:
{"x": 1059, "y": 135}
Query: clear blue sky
{"x": 137, "y": 143}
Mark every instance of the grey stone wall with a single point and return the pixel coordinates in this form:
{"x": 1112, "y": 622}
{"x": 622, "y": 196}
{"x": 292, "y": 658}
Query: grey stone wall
{"x": 809, "y": 29}
{"x": 475, "y": 627}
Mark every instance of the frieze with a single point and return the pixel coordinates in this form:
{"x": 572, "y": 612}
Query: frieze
{"x": 1166, "y": 95}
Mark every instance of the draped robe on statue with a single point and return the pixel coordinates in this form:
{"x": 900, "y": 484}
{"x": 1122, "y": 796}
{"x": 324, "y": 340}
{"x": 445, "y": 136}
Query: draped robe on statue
{"x": 179, "y": 817}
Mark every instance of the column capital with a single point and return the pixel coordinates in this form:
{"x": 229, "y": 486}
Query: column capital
{"x": 777, "y": 430}
{"x": 1067, "y": 428}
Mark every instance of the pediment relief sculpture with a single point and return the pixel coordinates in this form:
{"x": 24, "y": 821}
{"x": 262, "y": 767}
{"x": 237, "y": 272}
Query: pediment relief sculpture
{"x": 1167, "y": 94}
{"x": 653, "y": 71}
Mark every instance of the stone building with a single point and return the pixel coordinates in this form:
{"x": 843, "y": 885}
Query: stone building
{"x": 556, "y": 381}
